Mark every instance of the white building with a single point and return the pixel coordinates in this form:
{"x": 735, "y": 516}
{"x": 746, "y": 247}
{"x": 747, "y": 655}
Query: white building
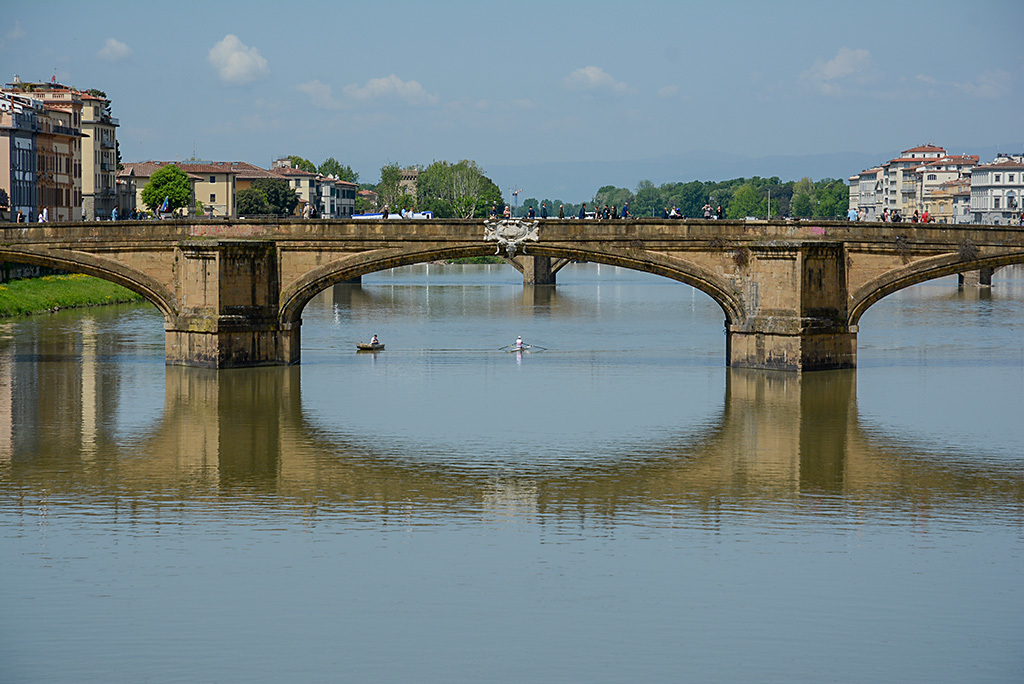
{"x": 997, "y": 190}
{"x": 866, "y": 193}
{"x": 899, "y": 180}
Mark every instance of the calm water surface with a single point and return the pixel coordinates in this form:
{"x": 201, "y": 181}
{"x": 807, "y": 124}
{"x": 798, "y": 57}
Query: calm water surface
{"x": 618, "y": 506}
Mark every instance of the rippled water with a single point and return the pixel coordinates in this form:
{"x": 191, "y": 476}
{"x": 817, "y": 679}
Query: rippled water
{"x": 617, "y": 506}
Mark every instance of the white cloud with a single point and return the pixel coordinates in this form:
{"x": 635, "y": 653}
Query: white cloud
{"x": 594, "y": 78}
{"x": 668, "y": 91}
{"x": 114, "y": 50}
{"x": 832, "y": 77}
{"x": 237, "y": 63}
{"x": 15, "y": 32}
{"x": 392, "y": 87}
{"x": 320, "y": 94}
{"x": 990, "y": 84}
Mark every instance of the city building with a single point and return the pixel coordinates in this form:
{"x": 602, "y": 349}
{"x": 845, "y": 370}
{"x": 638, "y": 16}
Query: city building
{"x": 997, "y": 190}
{"x": 951, "y": 201}
{"x": 866, "y": 193}
{"x": 337, "y": 197}
{"x": 215, "y": 187}
{"x": 899, "y": 181}
{"x": 99, "y": 157}
{"x": 58, "y": 148}
{"x": 143, "y": 171}
{"x": 126, "y": 192}
{"x": 304, "y": 183}
{"x": 19, "y": 123}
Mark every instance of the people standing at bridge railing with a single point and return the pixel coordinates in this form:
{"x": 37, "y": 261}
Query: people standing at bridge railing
{"x": 707, "y": 211}
{"x": 625, "y": 211}
{"x": 543, "y": 210}
{"x": 561, "y": 211}
{"x": 583, "y": 211}
{"x": 851, "y": 215}
{"x": 719, "y": 214}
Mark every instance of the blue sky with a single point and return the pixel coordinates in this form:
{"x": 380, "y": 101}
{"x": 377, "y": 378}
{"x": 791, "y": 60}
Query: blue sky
{"x": 532, "y": 82}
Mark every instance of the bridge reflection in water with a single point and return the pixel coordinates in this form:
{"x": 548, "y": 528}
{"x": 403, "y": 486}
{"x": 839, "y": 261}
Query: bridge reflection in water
{"x": 244, "y": 437}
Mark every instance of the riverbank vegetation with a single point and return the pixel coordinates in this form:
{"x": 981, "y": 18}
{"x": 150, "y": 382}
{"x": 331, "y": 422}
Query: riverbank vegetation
{"x": 51, "y": 293}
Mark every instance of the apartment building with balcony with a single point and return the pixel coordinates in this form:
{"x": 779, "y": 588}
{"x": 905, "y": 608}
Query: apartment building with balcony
{"x": 58, "y": 147}
{"x": 19, "y": 124}
{"x": 900, "y": 184}
{"x": 99, "y": 157}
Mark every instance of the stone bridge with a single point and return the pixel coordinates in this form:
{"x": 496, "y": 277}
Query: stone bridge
{"x": 232, "y": 292}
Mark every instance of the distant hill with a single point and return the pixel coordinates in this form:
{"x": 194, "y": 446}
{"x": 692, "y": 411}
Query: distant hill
{"x": 578, "y": 181}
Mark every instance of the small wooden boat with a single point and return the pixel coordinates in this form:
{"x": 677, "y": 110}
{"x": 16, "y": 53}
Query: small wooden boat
{"x": 368, "y": 346}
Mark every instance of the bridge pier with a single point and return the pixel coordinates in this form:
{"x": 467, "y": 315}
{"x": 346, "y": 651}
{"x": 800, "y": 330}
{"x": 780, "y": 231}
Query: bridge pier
{"x": 537, "y": 270}
{"x": 981, "y": 278}
{"x": 228, "y": 307}
{"x": 795, "y": 296}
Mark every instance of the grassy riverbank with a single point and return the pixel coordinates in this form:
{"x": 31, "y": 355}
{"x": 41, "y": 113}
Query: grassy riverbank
{"x": 50, "y": 293}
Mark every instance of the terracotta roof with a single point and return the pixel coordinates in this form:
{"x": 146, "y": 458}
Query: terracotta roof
{"x": 148, "y": 168}
{"x": 292, "y": 171}
{"x": 925, "y": 148}
{"x": 958, "y": 159}
{"x": 1002, "y": 165}
{"x": 206, "y": 167}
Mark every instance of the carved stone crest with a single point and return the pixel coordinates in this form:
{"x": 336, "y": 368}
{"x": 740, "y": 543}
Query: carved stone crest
{"x": 511, "y": 234}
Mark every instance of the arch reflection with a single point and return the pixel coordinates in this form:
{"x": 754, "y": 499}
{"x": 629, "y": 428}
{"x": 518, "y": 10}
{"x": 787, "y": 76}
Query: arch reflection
{"x": 245, "y": 436}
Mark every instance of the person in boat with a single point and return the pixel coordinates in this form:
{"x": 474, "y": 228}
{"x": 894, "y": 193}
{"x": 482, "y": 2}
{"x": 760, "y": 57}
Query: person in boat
{"x": 519, "y": 342}
{"x": 374, "y": 340}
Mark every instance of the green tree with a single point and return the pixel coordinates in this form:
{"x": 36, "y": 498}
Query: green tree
{"x": 332, "y": 167}
{"x": 804, "y": 201}
{"x": 171, "y": 183}
{"x": 612, "y": 196}
{"x": 280, "y": 197}
{"x": 459, "y": 190}
{"x": 389, "y": 189}
{"x": 251, "y": 202}
{"x": 833, "y": 198}
{"x": 746, "y": 202}
{"x": 301, "y": 163}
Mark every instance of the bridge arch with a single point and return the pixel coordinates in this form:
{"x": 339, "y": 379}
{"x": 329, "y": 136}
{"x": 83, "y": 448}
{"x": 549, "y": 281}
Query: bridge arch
{"x": 105, "y": 269}
{"x": 920, "y": 272}
{"x": 295, "y": 296}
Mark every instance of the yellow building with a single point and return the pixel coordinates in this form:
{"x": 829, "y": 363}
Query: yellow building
{"x": 215, "y": 187}
{"x": 99, "y": 158}
{"x": 143, "y": 171}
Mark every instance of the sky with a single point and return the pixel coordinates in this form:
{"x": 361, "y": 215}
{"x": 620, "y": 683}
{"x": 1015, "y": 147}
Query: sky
{"x": 515, "y": 84}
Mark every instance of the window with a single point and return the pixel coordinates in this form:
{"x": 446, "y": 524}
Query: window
{"x": 996, "y": 200}
{"x": 213, "y": 179}
{"x": 932, "y": 176}
{"x": 997, "y": 178}
{"x": 213, "y": 197}
{"x": 1009, "y": 178}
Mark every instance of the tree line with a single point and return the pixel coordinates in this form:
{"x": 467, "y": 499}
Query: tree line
{"x": 739, "y": 198}
{"x": 462, "y": 190}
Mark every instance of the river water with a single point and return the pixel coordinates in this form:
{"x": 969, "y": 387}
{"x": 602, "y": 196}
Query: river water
{"x": 617, "y": 506}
